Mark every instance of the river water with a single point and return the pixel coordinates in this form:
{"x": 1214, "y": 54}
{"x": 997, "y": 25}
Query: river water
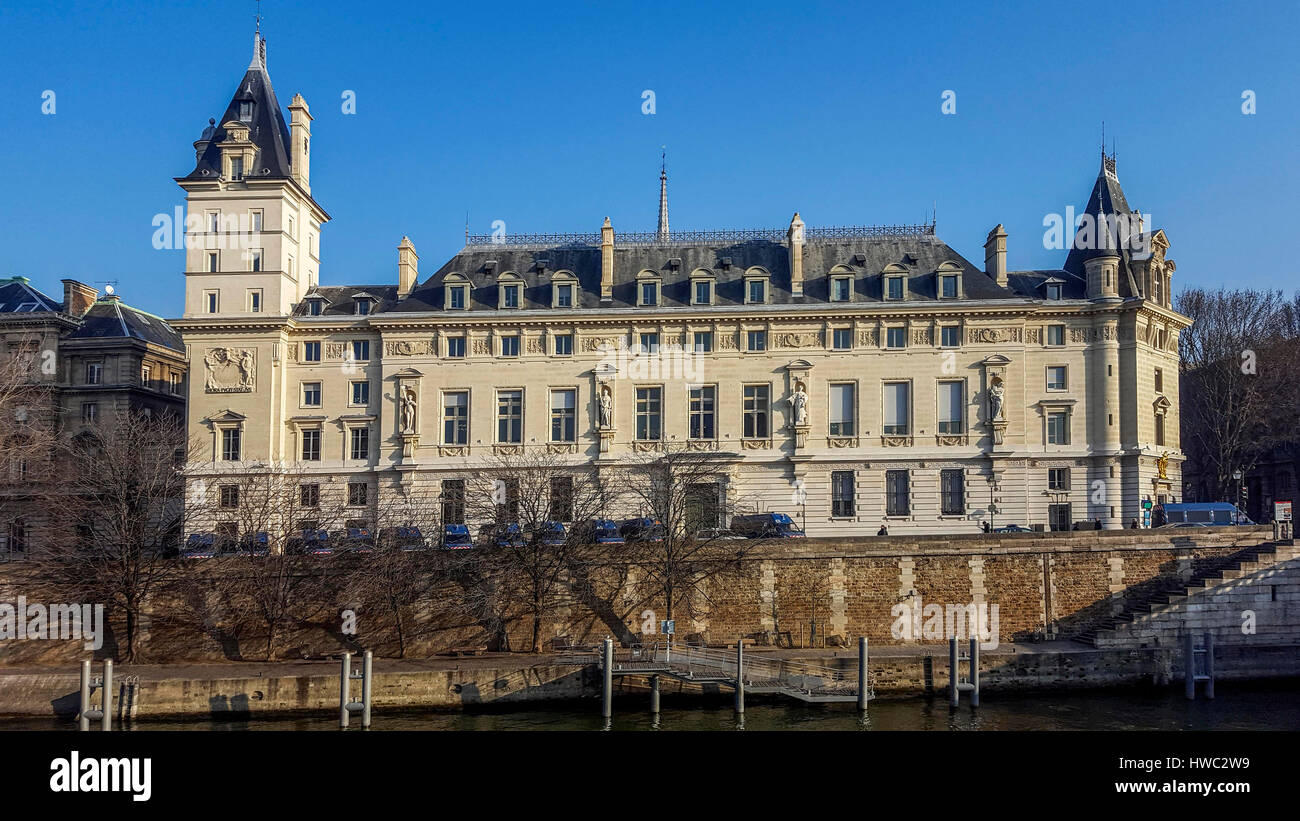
{"x": 1239, "y": 706}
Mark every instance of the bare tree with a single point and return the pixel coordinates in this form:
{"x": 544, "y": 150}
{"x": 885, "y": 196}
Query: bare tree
{"x": 119, "y": 493}
{"x": 29, "y": 429}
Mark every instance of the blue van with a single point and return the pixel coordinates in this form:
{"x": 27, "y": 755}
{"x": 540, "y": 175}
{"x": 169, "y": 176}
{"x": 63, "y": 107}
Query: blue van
{"x": 508, "y": 535}
{"x": 311, "y": 543}
{"x": 200, "y": 546}
{"x": 1210, "y": 514}
{"x": 765, "y": 526}
{"x": 456, "y": 537}
{"x": 402, "y": 538}
{"x": 603, "y": 531}
{"x": 256, "y": 544}
{"x": 552, "y": 533}
{"x": 642, "y": 529}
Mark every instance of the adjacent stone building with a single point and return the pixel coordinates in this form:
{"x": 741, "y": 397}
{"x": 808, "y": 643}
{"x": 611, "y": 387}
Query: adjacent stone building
{"x": 850, "y": 377}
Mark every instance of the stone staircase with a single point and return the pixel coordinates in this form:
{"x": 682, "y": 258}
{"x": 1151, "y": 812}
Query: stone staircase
{"x": 1166, "y": 599}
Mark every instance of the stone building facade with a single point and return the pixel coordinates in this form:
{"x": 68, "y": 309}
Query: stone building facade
{"x": 850, "y": 377}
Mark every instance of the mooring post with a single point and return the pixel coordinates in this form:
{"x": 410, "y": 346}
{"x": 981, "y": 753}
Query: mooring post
{"x": 106, "y": 697}
{"x": 344, "y": 687}
{"x": 654, "y": 695}
{"x": 607, "y": 689}
{"x": 740, "y": 675}
{"x": 1189, "y": 666}
{"x": 83, "y": 720}
{"x": 365, "y": 690}
{"x": 954, "y": 696}
{"x": 1209, "y": 665}
{"x": 862, "y": 672}
{"x": 975, "y": 672}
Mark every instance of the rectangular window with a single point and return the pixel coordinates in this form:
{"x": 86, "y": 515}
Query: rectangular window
{"x": 212, "y": 301}
{"x": 703, "y": 292}
{"x": 361, "y": 350}
{"x": 510, "y": 345}
{"x": 455, "y": 418}
{"x": 510, "y": 296}
{"x": 456, "y": 297}
{"x": 841, "y": 289}
{"x": 1053, "y": 290}
{"x": 314, "y": 307}
{"x": 703, "y": 402}
{"x": 894, "y": 288}
{"x": 311, "y": 394}
{"x": 293, "y": 269}
{"x": 510, "y": 417}
{"x": 213, "y": 262}
{"x": 561, "y": 499}
{"x": 236, "y": 168}
{"x": 952, "y": 492}
{"x": 453, "y": 501}
{"x": 229, "y": 497}
{"x": 1055, "y": 335}
{"x": 255, "y": 221}
{"x": 255, "y": 301}
{"x": 358, "y": 494}
{"x": 1159, "y": 381}
{"x": 952, "y": 405}
{"x": 214, "y": 222}
{"x": 564, "y": 415}
{"x": 1160, "y": 428}
{"x": 897, "y": 407}
{"x": 309, "y": 495}
{"x": 755, "y": 408}
{"x": 702, "y": 506}
{"x": 360, "y": 443}
{"x": 361, "y": 393}
{"x": 362, "y": 307}
{"x": 564, "y": 344}
{"x": 649, "y": 293}
{"x": 94, "y": 373}
{"x": 649, "y": 343}
{"x": 1059, "y": 518}
{"x": 757, "y": 340}
{"x": 843, "y": 402}
{"x": 897, "y": 500}
{"x": 1058, "y": 479}
{"x": 311, "y": 445}
{"x": 311, "y": 352}
{"x": 146, "y": 374}
{"x": 89, "y": 412}
{"x": 842, "y": 339}
{"x": 1058, "y": 432}
{"x": 230, "y": 444}
{"x": 174, "y": 380}
{"x": 649, "y": 414}
{"x": 704, "y": 341}
{"x": 508, "y": 512}
{"x": 1056, "y": 378}
{"x": 757, "y": 291}
{"x": 255, "y": 259}
{"x": 842, "y": 493}
{"x": 895, "y": 337}
{"x": 948, "y": 287}
{"x": 950, "y": 336}
{"x": 455, "y": 347}
{"x": 564, "y": 296}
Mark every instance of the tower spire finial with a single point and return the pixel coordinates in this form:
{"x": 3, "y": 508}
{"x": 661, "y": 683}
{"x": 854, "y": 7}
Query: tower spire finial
{"x": 663, "y": 193}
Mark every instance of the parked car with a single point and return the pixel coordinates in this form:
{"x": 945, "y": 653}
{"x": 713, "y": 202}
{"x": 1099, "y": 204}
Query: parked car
{"x": 256, "y": 544}
{"x": 1012, "y": 529}
{"x": 765, "y": 526}
{"x": 312, "y": 543}
{"x": 1220, "y": 514}
{"x": 552, "y": 533}
{"x": 601, "y": 531}
{"x": 456, "y": 537}
{"x": 200, "y": 546}
{"x": 502, "y": 535}
{"x": 402, "y": 538}
{"x": 642, "y": 529}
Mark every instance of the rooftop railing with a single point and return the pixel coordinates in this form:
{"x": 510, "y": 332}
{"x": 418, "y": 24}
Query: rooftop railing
{"x": 713, "y": 238}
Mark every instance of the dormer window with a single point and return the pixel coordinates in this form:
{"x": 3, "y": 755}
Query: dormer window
{"x": 1053, "y": 290}
{"x": 702, "y": 286}
{"x": 456, "y": 297}
{"x": 841, "y": 289}
{"x": 363, "y": 304}
{"x": 650, "y": 293}
{"x": 564, "y": 296}
{"x": 509, "y": 296}
{"x": 315, "y": 307}
{"x": 948, "y": 286}
{"x": 236, "y": 168}
{"x": 894, "y": 287}
{"x": 564, "y": 290}
{"x": 246, "y": 111}
{"x": 756, "y": 291}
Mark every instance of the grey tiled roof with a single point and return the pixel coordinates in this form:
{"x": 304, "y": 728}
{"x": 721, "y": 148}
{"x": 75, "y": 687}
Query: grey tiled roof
{"x": 1107, "y": 198}
{"x": 17, "y": 293}
{"x": 111, "y": 319}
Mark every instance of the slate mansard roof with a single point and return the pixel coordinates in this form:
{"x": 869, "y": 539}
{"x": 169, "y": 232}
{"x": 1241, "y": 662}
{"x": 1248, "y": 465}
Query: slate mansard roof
{"x": 18, "y": 296}
{"x": 537, "y": 265}
{"x": 109, "y": 318}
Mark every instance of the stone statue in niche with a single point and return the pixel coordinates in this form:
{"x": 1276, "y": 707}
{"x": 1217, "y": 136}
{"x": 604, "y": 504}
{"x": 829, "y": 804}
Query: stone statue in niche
{"x": 606, "y": 407}
{"x": 997, "y": 392}
{"x": 408, "y": 410}
{"x": 799, "y": 401}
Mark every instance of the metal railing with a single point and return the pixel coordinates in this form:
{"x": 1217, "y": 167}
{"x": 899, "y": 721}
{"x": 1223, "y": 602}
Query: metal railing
{"x": 832, "y": 233}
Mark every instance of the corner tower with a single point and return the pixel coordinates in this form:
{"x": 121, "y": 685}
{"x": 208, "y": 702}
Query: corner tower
{"x": 252, "y": 227}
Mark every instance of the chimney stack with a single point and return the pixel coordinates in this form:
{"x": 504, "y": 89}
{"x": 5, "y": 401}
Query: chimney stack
{"x": 606, "y": 261}
{"x": 995, "y": 255}
{"x": 795, "y": 237}
{"x": 300, "y": 135}
{"x": 77, "y": 298}
{"x": 408, "y": 268}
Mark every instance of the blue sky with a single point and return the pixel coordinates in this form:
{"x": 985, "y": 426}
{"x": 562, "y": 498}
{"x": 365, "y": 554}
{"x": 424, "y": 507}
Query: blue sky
{"x": 532, "y": 114}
